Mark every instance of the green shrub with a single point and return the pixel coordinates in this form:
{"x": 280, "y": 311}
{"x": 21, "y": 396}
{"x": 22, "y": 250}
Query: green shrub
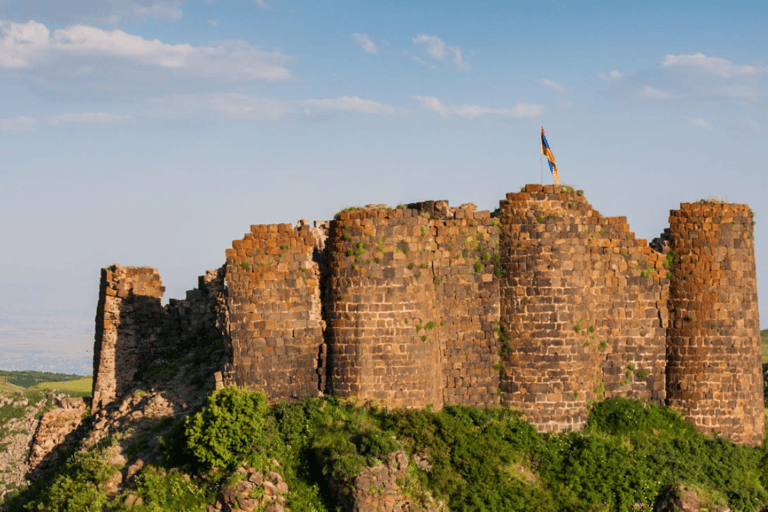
{"x": 163, "y": 490}
{"x": 622, "y": 416}
{"x": 227, "y": 428}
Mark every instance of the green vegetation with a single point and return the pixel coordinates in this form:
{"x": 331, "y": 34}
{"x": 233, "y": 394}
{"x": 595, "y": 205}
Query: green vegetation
{"x": 27, "y": 379}
{"x": 78, "y": 387}
{"x": 764, "y": 345}
{"x": 628, "y": 455}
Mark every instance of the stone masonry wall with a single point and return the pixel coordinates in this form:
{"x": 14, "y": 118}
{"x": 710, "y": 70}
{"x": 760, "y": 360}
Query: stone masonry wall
{"x": 545, "y": 305}
{"x": 581, "y": 306}
{"x": 412, "y": 305}
{"x": 713, "y": 349}
{"x": 275, "y": 320}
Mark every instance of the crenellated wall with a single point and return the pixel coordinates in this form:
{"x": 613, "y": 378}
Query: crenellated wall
{"x": 544, "y": 305}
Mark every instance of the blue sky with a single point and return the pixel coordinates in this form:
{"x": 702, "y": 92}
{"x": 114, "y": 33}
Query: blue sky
{"x": 148, "y": 132}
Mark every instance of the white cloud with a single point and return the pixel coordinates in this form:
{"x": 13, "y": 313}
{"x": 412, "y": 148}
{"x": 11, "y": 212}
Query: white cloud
{"x": 613, "y": 75}
{"x": 553, "y": 85}
{"x": 711, "y": 65}
{"x": 165, "y": 10}
{"x": 21, "y": 42}
{"x": 349, "y": 103}
{"x": 85, "y": 118}
{"x": 262, "y": 3}
{"x": 427, "y": 65}
{"x": 435, "y": 48}
{"x": 17, "y": 124}
{"x": 655, "y": 94}
{"x": 460, "y": 63}
{"x": 700, "y": 122}
{"x": 31, "y": 44}
{"x": 521, "y": 110}
{"x": 365, "y": 43}
{"x": 213, "y": 23}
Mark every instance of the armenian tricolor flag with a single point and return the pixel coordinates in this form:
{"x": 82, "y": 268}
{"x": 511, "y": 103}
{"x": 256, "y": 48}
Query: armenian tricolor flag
{"x": 550, "y": 157}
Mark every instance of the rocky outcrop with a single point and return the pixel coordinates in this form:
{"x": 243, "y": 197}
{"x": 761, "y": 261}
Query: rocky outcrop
{"x": 58, "y": 430}
{"x": 387, "y": 487}
{"x": 253, "y": 490}
{"x": 16, "y": 438}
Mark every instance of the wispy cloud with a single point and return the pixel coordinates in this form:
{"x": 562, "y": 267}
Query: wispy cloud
{"x": 520, "y": 111}
{"x": 349, "y": 103}
{"x": 613, "y": 75}
{"x": 365, "y": 43}
{"x": 228, "y": 106}
{"x": 650, "y": 93}
{"x": 31, "y": 45}
{"x": 235, "y": 106}
{"x": 436, "y": 50}
{"x": 711, "y": 65}
{"x": 100, "y": 118}
{"x": 550, "y": 84}
{"x": 700, "y": 122}
{"x": 17, "y": 124}
{"x": 262, "y": 3}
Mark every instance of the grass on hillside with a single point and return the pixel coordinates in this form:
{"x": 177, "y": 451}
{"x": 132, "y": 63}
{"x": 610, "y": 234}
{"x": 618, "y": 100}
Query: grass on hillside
{"x": 6, "y": 388}
{"x": 29, "y": 378}
{"x": 79, "y": 387}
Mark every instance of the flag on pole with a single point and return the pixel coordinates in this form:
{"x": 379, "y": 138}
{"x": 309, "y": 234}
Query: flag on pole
{"x": 550, "y": 157}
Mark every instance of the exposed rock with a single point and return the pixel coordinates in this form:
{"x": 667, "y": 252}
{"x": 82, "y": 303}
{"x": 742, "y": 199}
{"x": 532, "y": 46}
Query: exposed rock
{"x": 678, "y": 498}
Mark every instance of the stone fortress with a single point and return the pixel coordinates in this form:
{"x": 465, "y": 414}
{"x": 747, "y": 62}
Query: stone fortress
{"x": 543, "y": 305}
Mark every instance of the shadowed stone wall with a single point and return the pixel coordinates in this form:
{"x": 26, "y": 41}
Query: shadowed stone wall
{"x": 133, "y": 328}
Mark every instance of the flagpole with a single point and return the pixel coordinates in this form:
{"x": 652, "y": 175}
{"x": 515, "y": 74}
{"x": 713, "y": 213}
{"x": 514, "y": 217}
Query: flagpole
{"x": 541, "y": 163}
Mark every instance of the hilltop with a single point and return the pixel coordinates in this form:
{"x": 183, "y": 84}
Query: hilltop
{"x": 427, "y": 357}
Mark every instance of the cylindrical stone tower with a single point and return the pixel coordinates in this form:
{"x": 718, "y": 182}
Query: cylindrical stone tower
{"x": 713, "y": 341}
{"x": 380, "y": 303}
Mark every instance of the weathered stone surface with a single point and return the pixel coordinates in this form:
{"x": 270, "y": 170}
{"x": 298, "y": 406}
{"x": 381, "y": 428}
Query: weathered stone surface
{"x": 714, "y": 337}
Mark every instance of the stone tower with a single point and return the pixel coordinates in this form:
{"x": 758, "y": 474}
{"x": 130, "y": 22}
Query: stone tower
{"x": 713, "y": 341}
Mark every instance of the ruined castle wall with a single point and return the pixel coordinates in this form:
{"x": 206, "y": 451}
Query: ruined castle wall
{"x": 129, "y": 318}
{"x": 275, "y": 322}
{"x": 133, "y": 328}
{"x": 546, "y": 307}
{"x": 713, "y": 351}
{"x": 579, "y": 309}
